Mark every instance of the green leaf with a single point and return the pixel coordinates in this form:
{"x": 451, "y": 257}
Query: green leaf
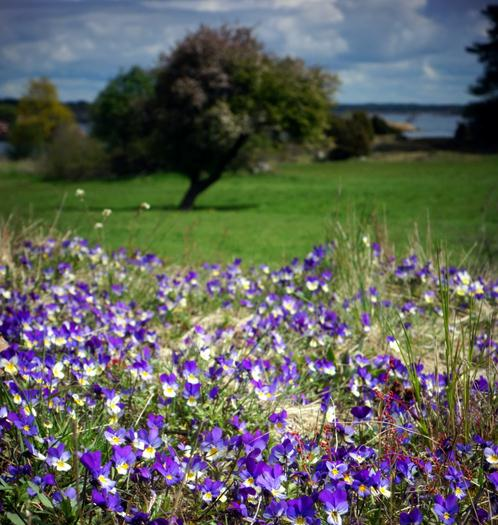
{"x": 15, "y": 519}
{"x": 45, "y": 501}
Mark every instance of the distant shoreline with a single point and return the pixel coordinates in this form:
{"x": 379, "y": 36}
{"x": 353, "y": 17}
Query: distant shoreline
{"x": 438, "y": 109}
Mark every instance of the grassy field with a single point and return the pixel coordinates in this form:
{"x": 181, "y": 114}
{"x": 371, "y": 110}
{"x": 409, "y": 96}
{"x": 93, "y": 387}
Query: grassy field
{"x": 273, "y": 217}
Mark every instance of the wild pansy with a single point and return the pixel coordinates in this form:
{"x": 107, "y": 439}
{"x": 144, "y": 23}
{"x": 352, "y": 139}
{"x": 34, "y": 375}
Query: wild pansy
{"x": 491, "y": 455}
{"x": 58, "y": 457}
{"x": 279, "y": 420}
{"x": 214, "y": 445}
{"x": 169, "y": 469}
{"x": 335, "y": 505}
{"x": 210, "y": 490}
{"x": 446, "y": 509}
{"x": 301, "y": 511}
{"x": 192, "y": 392}
{"x": 169, "y": 385}
{"x": 123, "y": 459}
{"x": 271, "y": 479}
{"x": 147, "y": 442}
{"x": 414, "y": 517}
{"x": 92, "y": 461}
{"x": 265, "y": 409}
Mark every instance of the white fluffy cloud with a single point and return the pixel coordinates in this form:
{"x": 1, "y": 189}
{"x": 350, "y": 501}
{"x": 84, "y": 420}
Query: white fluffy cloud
{"x": 379, "y": 47}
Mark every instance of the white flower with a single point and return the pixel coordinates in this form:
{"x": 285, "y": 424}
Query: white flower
{"x": 61, "y": 465}
{"x": 144, "y": 206}
{"x": 58, "y": 370}
{"x": 98, "y": 226}
{"x": 107, "y": 212}
{"x": 80, "y": 194}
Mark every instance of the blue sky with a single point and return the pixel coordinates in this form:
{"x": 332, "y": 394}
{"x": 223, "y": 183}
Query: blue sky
{"x": 383, "y": 50}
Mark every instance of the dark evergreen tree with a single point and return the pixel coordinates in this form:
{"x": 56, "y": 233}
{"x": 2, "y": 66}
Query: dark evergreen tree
{"x": 482, "y": 116}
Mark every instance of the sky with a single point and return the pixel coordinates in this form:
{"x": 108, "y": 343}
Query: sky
{"x": 384, "y": 51}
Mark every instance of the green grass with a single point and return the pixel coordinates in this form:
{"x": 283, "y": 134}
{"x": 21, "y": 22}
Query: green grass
{"x": 273, "y": 217}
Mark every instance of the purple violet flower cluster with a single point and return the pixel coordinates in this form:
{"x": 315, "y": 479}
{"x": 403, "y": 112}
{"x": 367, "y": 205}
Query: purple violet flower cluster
{"x": 133, "y": 393}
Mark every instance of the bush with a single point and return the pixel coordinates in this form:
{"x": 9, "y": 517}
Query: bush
{"x": 352, "y": 136}
{"x": 382, "y": 127}
{"x": 38, "y": 116}
{"x": 72, "y": 155}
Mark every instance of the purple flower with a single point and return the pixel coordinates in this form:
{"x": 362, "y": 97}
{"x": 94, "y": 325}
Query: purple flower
{"x": 169, "y": 385}
{"x": 210, "y": 490}
{"x": 58, "y": 458}
{"x": 115, "y": 437}
{"x": 191, "y": 372}
{"x": 336, "y": 470}
{"x": 271, "y": 479}
{"x": 335, "y": 504}
{"x": 300, "y": 510}
{"x": 279, "y": 419}
{"x": 26, "y": 424}
{"x": 107, "y": 500}
{"x": 214, "y": 445}
{"x": 446, "y": 509}
{"x": 191, "y": 393}
{"x": 92, "y": 461}
{"x": 414, "y": 516}
{"x": 124, "y": 459}
{"x": 365, "y": 321}
{"x": 491, "y": 455}
{"x": 283, "y": 453}
{"x": 169, "y": 469}
{"x": 275, "y": 510}
{"x": 361, "y": 412}
{"x": 148, "y": 442}
{"x": 493, "y": 478}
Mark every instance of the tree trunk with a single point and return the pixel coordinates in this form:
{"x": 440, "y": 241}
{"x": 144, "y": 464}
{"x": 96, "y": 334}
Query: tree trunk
{"x": 198, "y": 185}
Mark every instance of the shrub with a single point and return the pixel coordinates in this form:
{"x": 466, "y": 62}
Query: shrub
{"x": 72, "y": 155}
{"x": 352, "y": 136}
{"x": 382, "y": 127}
{"x": 38, "y": 115}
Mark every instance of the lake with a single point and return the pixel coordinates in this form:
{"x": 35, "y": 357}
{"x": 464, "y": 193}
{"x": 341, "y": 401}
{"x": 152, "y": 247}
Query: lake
{"x": 433, "y": 125}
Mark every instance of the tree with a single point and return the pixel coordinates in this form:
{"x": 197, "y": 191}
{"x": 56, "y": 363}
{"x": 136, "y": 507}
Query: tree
{"x": 73, "y": 155}
{"x": 352, "y": 136}
{"x": 120, "y": 118}
{"x": 38, "y": 115}
{"x": 483, "y": 115}
{"x": 218, "y": 91}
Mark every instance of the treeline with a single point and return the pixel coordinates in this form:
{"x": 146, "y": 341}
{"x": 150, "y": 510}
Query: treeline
{"x": 440, "y": 109}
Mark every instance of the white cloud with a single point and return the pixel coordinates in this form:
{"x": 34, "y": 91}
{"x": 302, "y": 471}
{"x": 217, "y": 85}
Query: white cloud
{"x": 429, "y": 71}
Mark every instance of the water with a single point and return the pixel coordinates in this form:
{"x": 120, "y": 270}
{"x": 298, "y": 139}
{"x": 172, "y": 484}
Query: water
{"x": 431, "y": 125}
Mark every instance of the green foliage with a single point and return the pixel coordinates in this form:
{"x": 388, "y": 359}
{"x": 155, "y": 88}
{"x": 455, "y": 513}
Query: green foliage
{"x": 352, "y": 135}
{"x": 120, "y": 118}
{"x": 267, "y": 218}
{"x": 72, "y": 155}
{"x": 218, "y": 88}
{"x": 482, "y": 116}
{"x": 7, "y": 113}
{"x": 382, "y": 127}
{"x": 38, "y": 115}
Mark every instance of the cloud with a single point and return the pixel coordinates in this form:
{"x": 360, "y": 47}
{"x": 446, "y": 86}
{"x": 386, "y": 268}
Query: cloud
{"x": 381, "y": 48}
{"x": 429, "y": 71}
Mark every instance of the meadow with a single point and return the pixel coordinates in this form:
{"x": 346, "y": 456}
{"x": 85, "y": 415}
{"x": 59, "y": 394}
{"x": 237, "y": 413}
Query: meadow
{"x": 271, "y": 217}
{"x": 332, "y": 382}
{"x": 348, "y": 387}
